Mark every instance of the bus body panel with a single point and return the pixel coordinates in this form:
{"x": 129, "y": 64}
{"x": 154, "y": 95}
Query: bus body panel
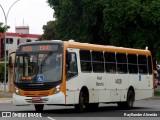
{"x": 143, "y": 93}
{"x": 143, "y": 86}
{"x": 58, "y": 98}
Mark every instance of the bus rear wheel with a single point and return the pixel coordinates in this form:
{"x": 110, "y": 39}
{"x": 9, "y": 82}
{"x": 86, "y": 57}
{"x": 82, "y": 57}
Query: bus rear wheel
{"x": 39, "y": 107}
{"x": 129, "y": 103}
{"x": 130, "y": 99}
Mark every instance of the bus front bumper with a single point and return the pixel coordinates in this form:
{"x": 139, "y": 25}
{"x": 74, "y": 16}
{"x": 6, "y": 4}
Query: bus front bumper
{"x": 58, "y": 98}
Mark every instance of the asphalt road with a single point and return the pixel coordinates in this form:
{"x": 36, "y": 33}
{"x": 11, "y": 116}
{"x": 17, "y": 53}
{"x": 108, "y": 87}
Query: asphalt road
{"x": 148, "y": 109}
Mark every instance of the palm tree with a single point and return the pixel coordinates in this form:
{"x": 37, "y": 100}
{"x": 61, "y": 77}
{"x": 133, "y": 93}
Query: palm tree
{"x": 2, "y": 28}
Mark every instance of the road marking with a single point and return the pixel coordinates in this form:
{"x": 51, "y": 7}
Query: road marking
{"x": 51, "y": 118}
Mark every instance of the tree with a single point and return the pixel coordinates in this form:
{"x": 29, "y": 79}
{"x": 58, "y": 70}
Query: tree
{"x": 81, "y": 20}
{"x": 2, "y": 28}
{"x": 134, "y": 23}
{"x": 49, "y": 31}
{"x": 128, "y": 23}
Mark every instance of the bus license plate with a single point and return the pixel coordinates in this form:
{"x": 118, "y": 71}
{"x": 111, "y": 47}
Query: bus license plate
{"x": 36, "y": 99}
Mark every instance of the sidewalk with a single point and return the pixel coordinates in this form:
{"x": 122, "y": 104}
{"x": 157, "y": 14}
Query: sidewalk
{"x": 5, "y": 100}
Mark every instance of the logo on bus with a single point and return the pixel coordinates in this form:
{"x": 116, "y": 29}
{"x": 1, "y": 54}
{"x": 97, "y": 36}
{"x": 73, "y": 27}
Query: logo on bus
{"x": 40, "y": 78}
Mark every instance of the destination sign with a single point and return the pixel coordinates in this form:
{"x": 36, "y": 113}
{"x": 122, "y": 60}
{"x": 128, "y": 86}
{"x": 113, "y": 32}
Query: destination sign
{"x": 36, "y": 48}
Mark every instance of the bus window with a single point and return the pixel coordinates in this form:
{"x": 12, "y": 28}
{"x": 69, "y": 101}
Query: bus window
{"x": 121, "y": 63}
{"x": 149, "y": 65}
{"x": 71, "y": 65}
{"x": 110, "y": 62}
{"x": 85, "y": 59}
{"x": 132, "y": 64}
{"x": 142, "y": 64}
{"x": 97, "y": 61}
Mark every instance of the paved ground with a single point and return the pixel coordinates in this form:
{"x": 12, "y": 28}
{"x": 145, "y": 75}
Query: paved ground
{"x": 104, "y": 111}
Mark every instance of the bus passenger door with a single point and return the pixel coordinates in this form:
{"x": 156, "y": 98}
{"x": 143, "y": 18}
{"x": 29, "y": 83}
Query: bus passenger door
{"x": 72, "y": 73}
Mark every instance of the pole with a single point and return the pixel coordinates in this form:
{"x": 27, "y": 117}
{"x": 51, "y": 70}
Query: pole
{"x": 5, "y": 55}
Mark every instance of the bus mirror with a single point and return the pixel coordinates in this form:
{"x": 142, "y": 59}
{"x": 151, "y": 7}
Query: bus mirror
{"x": 10, "y": 61}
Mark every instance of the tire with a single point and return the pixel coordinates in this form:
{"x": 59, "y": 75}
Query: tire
{"x": 39, "y": 107}
{"x": 130, "y": 100}
{"x": 129, "y": 103}
{"x": 80, "y": 107}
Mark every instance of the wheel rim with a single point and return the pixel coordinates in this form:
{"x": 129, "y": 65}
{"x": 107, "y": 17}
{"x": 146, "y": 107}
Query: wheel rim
{"x": 81, "y": 103}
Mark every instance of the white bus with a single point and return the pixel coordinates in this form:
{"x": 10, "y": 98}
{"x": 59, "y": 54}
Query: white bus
{"x": 80, "y": 74}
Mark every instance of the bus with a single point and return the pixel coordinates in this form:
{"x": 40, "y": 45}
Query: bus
{"x": 80, "y": 74}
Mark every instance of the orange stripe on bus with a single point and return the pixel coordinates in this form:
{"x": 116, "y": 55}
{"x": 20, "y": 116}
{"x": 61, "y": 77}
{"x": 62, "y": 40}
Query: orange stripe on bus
{"x": 108, "y": 48}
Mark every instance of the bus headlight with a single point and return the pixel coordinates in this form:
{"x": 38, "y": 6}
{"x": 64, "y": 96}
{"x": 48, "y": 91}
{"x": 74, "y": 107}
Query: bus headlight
{"x": 57, "y": 89}
{"x": 16, "y": 91}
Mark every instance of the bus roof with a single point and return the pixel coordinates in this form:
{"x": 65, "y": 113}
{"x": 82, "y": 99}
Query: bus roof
{"x": 41, "y": 42}
{"x": 88, "y": 46}
{"x": 107, "y": 48}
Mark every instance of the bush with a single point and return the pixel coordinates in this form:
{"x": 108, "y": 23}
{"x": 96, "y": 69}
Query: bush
{"x": 156, "y": 93}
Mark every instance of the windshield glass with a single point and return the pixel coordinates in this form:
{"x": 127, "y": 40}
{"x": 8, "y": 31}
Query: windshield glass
{"x": 38, "y": 67}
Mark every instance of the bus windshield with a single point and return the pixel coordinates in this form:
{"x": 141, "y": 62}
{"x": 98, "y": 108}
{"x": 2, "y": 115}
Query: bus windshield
{"x": 39, "y": 67}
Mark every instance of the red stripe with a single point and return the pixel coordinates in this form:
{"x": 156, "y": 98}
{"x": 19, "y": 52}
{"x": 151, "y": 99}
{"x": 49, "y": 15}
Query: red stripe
{"x": 22, "y": 28}
{"x": 21, "y": 35}
{"x": 0, "y": 48}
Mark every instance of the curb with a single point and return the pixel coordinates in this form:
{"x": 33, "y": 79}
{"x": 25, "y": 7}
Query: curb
{"x": 156, "y": 97}
{"x": 9, "y": 100}
{"x": 5, "y": 100}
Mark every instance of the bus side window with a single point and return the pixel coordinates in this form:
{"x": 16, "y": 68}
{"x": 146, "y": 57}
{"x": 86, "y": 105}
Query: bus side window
{"x": 142, "y": 64}
{"x": 110, "y": 62}
{"x": 85, "y": 61}
{"x": 121, "y": 63}
{"x": 97, "y": 61}
{"x": 132, "y": 64}
{"x": 149, "y": 65}
{"x": 71, "y": 65}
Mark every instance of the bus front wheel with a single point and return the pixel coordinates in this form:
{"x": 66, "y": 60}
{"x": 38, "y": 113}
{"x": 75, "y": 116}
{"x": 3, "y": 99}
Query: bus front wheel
{"x": 39, "y": 107}
{"x": 81, "y": 105}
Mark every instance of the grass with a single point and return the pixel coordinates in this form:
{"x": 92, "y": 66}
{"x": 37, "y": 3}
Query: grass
{"x": 157, "y": 93}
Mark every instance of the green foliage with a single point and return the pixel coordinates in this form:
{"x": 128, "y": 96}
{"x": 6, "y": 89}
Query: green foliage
{"x": 2, "y": 68}
{"x": 134, "y": 23}
{"x": 80, "y": 20}
{"x": 2, "y": 28}
{"x": 49, "y": 31}
{"x": 128, "y": 23}
{"x": 156, "y": 93}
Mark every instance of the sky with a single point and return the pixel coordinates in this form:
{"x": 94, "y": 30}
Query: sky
{"x": 32, "y": 13}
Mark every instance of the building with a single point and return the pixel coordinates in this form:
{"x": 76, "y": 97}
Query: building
{"x": 21, "y": 35}
{"x": 14, "y": 39}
